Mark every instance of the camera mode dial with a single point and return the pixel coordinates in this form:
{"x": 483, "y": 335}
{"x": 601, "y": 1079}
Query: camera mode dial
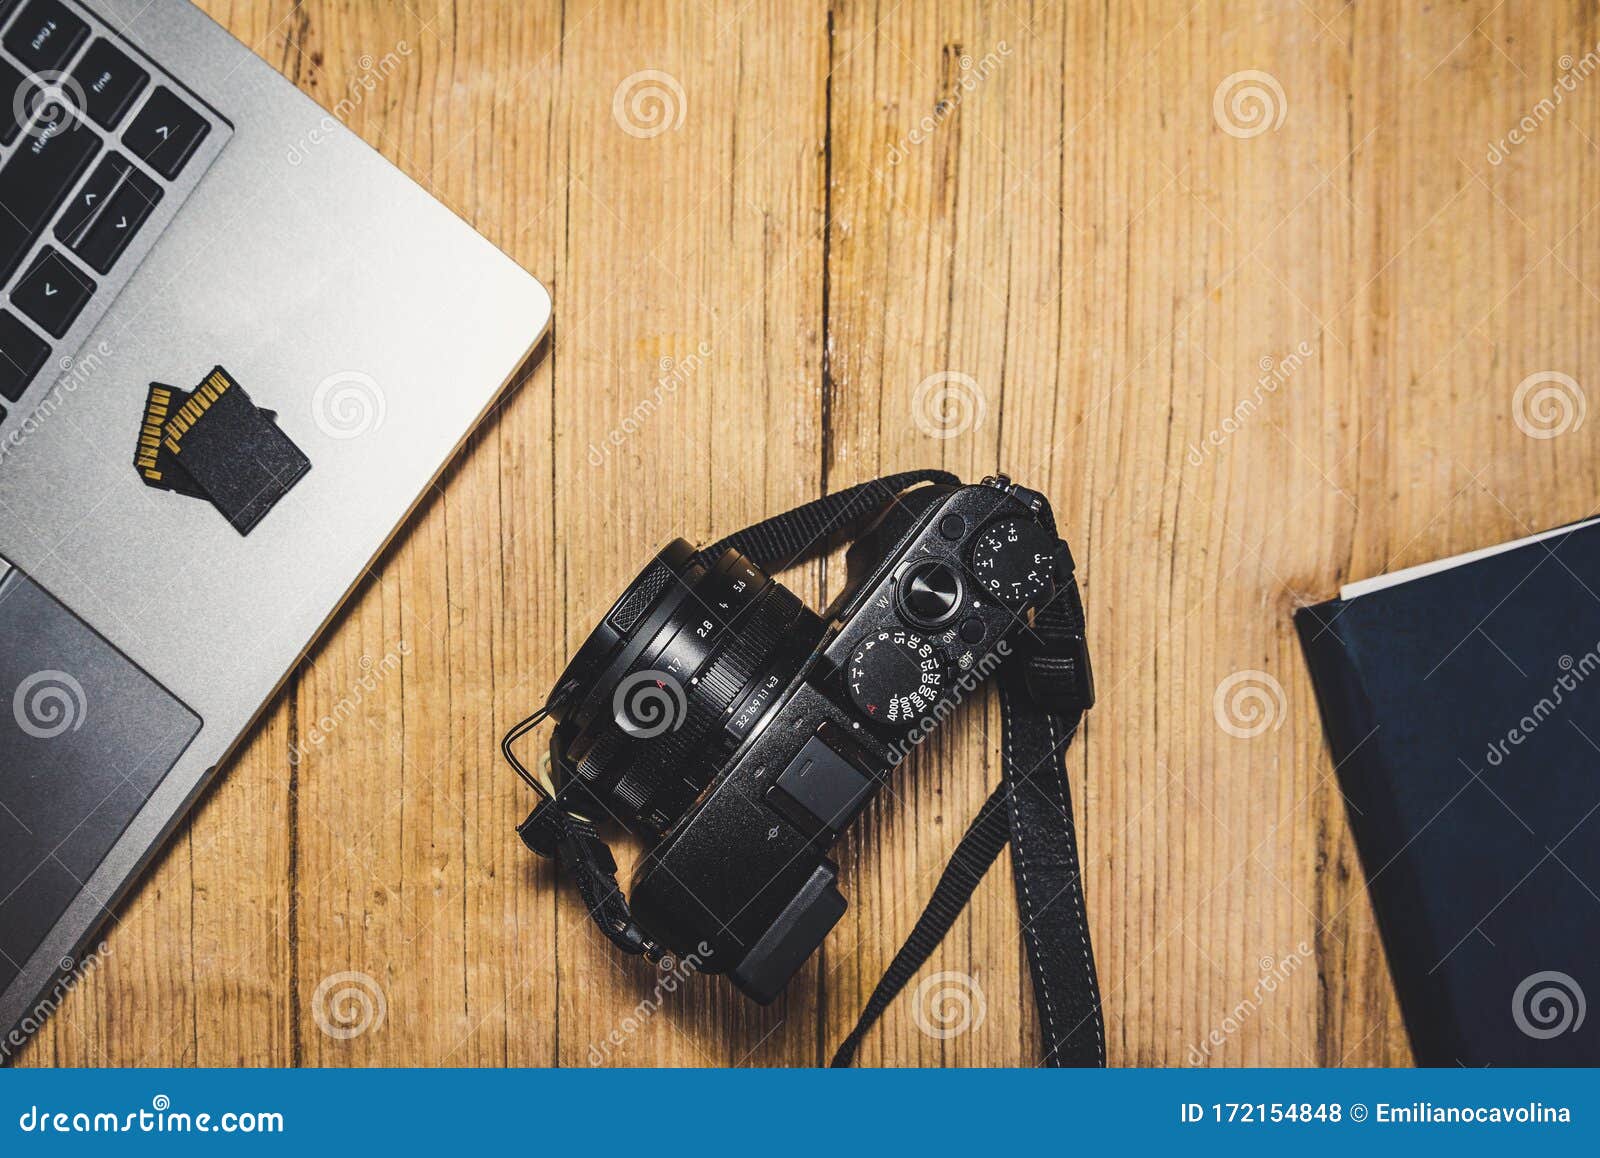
{"x": 1014, "y": 562}
{"x": 895, "y": 677}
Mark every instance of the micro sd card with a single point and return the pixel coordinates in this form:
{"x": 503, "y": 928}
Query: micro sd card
{"x": 243, "y": 462}
{"x": 157, "y": 465}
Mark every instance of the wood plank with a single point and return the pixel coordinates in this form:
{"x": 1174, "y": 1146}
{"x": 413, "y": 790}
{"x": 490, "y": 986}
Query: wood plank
{"x": 430, "y": 853}
{"x": 943, "y": 336}
{"x": 687, "y": 396}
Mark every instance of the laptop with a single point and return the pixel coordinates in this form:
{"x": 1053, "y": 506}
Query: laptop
{"x": 170, "y": 204}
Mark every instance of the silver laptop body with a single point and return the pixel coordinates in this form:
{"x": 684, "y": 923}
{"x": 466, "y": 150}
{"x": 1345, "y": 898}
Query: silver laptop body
{"x": 140, "y": 633}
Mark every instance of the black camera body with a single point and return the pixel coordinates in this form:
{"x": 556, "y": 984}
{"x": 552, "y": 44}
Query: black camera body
{"x": 714, "y": 711}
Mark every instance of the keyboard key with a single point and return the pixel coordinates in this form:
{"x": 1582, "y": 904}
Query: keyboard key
{"x": 10, "y": 85}
{"x": 99, "y": 235}
{"x": 110, "y": 82}
{"x": 38, "y": 177}
{"x": 46, "y": 35}
{"x": 106, "y": 177}
{"x": 165, "y": 133}
{"x": 52, "y": 293}
{"x": 27, "y": 99}
{"x": 22, "y": 355}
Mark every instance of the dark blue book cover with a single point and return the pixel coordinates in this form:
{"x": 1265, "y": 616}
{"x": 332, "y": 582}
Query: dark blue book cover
{"x": 1461, "y": 702}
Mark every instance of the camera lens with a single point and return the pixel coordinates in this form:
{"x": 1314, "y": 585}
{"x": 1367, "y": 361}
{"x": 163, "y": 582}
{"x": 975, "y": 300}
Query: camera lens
{"x": 678, "y": 672}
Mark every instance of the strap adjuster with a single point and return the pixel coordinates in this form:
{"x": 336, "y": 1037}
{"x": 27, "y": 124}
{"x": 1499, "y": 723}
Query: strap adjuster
{"x": 1059, "y": 675}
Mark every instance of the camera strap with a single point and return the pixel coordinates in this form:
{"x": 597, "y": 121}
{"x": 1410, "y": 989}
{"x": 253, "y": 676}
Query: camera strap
{"x": 1044, "y": 691}
{"x": 1032, "y": 810}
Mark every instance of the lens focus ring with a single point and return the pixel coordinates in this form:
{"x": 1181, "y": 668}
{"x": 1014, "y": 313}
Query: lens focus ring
{"x": 667, "y": 773}
{"x": 732, "y": 627}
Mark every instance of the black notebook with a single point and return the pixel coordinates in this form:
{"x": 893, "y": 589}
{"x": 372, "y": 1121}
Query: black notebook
{"x": 1461, "y": 700}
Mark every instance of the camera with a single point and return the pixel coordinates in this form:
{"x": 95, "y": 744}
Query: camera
{"x": 715, "y": 714}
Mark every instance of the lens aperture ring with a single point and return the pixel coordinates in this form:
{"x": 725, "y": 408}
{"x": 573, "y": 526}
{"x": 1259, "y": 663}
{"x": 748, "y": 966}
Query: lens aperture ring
{"x": 721, "y": 598}
{"x": 670, "y": 765}
{"x": 749, "y": 645}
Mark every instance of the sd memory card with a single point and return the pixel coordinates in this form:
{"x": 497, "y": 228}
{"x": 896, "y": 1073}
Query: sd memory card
{"x": 157, "y": 465}
{"x": 233, "y": 451}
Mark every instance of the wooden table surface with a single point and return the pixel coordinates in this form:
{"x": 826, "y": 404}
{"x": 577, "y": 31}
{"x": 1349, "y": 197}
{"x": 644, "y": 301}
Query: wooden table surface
{"x": 1248, "y": 289}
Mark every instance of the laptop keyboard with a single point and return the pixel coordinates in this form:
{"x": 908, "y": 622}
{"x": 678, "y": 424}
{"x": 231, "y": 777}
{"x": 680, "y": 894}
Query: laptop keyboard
{"x": 94, "y": 137}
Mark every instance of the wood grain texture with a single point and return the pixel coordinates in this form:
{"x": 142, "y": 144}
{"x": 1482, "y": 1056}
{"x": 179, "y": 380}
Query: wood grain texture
{"x": 1245, "y": 365}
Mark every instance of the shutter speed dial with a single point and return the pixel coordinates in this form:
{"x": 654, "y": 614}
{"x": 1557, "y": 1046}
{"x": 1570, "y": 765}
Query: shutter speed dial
{"x": 895, "y": 677}
{"x": 1014, "y": 561}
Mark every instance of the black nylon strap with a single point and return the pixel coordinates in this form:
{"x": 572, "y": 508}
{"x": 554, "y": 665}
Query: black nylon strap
{"x": 1032, "y": 809}
{"x": 968, "y": 864}
{"x": 785, "y": 540}
{"x": 583, "y": 855}
{"x": 1044, "y": 842}
{"x": 1048, "y": 880}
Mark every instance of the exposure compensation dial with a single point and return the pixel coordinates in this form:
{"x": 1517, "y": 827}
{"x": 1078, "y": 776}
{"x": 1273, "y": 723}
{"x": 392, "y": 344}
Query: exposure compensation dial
{"x": 1014, "y": 562}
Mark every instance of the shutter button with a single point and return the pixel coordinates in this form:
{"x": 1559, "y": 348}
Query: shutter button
{"x": 930, "y": 594}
